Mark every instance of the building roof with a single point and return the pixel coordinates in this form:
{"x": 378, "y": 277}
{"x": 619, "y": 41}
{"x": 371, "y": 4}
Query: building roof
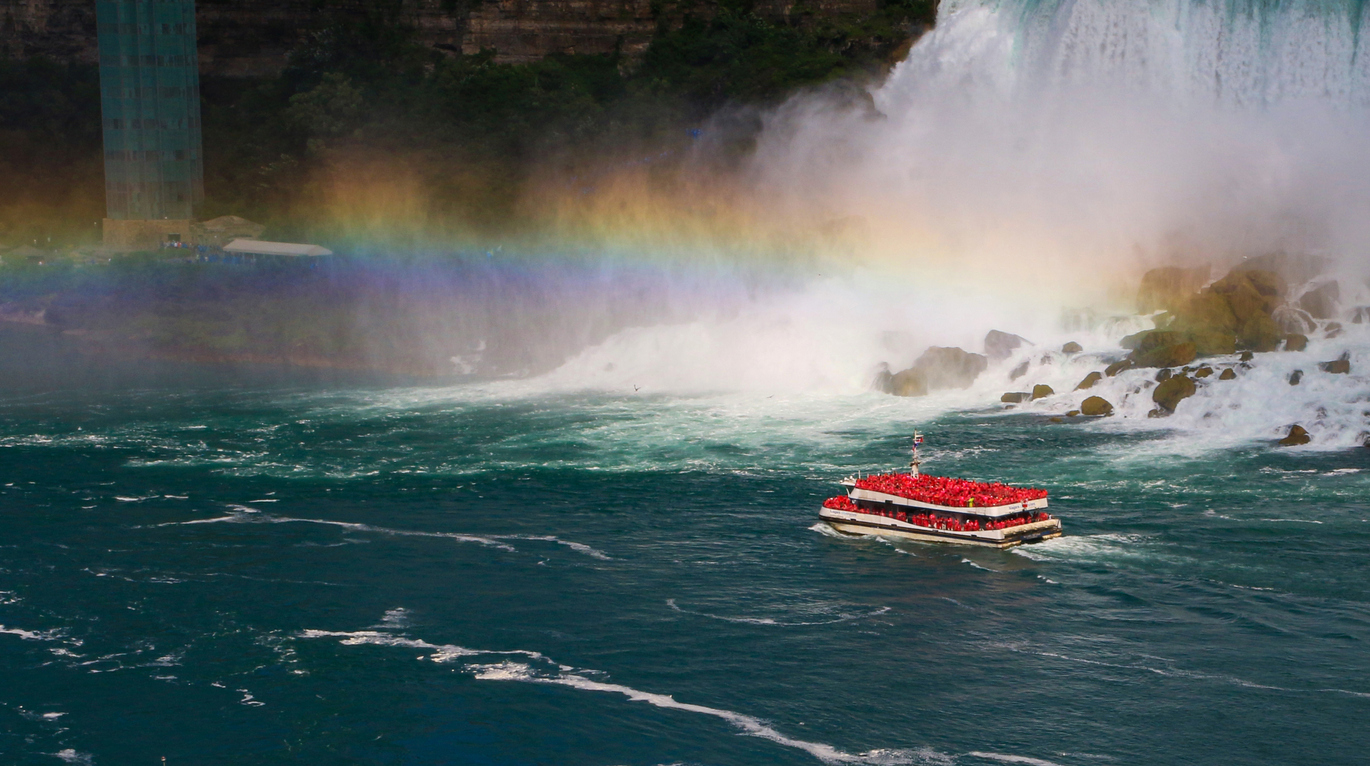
{"x": 258, "y": 247}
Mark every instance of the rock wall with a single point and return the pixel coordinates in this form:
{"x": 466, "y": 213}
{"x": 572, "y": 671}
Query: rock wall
{"x": 254, "y": 38}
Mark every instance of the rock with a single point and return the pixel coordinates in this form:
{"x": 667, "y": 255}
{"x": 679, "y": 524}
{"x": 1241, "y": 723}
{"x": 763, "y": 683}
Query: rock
{"x": 1295, "y": 377}
{"x": 1247, "y": 356}
{"x": 1295, "y": 268}
{"x": 1096, "y": 407}
{"x": 1041, "y": 391}
{"x": 1295, "y": 342}
{"x": 1203, "y": 372}
{"x": 1018, "y": 371}
{"x": 1157, "y": 413}
{"x": 1228, "y": 374}
{"x": 1259, "y": 333}
{"x": 1130, "y": 342}
{"x": 1212, "y": 342}
{"x": 1015, "y": 397}
{"x": 1154, "y": 339}
{"x": 1297, "y": 435}
{"x": 1166, "y": 356}
{"x": 908, "y": 383}
{"x": 1001, "y": 345}
{"x": 1331, "y": 329}
{"x": 1293, "y": 320}
{"x": 1168, "y": 287}
{"x": 1169, "y": 394}
{"x": 1072, "y": 413}
{"x": 884, "y": 380}
{"x": 1057, "y": 420}
{"x": 1072, "y": 348}
{"x": 936, "y": 369}
{"x": 1322, "y": 301}
{"x": 1163, "y": 375}
{"x": 1089, "y": 381}
{"x": 1360, "y": 315}
{"x": 1117, "y": 367}
{"x": 1338, "y": 367}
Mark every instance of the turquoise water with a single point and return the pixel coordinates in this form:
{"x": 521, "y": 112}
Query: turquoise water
{"x": 265, "y": 569}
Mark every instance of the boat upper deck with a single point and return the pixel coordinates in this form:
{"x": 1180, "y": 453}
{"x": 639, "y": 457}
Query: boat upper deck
{"x": 947, "y": 492}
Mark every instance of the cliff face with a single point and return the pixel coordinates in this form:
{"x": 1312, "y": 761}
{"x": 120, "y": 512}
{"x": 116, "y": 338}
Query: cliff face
{"x": 254, "y": 38}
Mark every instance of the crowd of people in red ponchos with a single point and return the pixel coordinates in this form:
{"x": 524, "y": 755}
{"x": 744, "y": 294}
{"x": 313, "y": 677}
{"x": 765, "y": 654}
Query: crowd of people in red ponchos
{"x": 953, "y": 493}
{"x": 933, "y": 521}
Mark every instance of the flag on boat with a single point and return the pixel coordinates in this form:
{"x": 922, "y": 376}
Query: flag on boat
{"x": 918, "y": 439}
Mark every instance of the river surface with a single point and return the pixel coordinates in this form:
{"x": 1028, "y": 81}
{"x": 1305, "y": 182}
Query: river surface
{"x": 239, "y": 569}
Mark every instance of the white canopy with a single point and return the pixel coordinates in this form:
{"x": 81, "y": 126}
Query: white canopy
{"x": 258, "y": 247}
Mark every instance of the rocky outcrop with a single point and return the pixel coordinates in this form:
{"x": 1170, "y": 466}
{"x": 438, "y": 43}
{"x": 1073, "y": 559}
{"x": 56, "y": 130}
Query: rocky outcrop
{"x": 1297, "y": 435}
{"x": 1203, "y": 372}
{"x": 938, "y": 368}
{"x": 1015, "y": 397}
{"x": 1072, "y": 348}
{"x": 1169, "y": 394}
{"x": 1001, "y": 345}
{"x": 1228, "y": 374}
{"x": 1096, "y": 406}
{"x": 1295, "y": 342}
{"x": 1167, "y": 288}
{"x": 1041, "y": 391}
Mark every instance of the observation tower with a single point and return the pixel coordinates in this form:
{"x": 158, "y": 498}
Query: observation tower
{"x": 150, "y": 110}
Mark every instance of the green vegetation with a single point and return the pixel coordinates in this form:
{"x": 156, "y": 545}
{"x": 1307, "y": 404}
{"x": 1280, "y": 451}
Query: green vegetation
{"x": 367, "y": 127}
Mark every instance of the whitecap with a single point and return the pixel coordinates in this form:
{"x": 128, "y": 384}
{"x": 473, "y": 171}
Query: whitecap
{"x": 71, "y": 756}
{"x": 1003, "y": 758}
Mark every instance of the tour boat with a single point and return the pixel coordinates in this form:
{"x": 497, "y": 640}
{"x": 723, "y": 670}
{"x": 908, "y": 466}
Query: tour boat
{"x": 938, "y": 509}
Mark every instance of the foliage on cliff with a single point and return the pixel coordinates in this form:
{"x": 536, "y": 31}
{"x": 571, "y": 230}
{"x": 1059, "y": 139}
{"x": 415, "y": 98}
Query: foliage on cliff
{"x": 366, "y": 128}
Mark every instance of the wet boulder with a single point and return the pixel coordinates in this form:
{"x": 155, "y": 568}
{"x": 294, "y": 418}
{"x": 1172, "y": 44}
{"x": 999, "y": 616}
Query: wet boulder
{"x": 1072, "y": 348}
{"x": 1161, "y": 348}
{"x": 1360, "y": 315}
{"x": 1295, "y": 342}
{"x": 1297, "y": 435}
{"x": 1089, "y": 381}
{"x": 1247, "y": 356}
{"x": 1096, "y": 407}
{"x": 1293, "y": 320}
{"x": 1117, "y": 367}
{"x": 1019, "y": 371}
{"x": 1203, "y": 372}
{"x": 1336, "y": 367}
{"x": 1228, "y": 374}
{"x": 1169, "y": 394}
{"x": 908, "y": 383}
{"x": 1331, "y": 330}
{"x": 938, "y": 368}
{"x": 1322, "y": 302}
{"x": 1259, "y": 333}
{"x": 1164, "y": 375}
{"x": 1041, "y": 391}
{"x": 1295, "y": 377}
{"x": 1015, "y": 397}
{"x": 1001, "y": 345}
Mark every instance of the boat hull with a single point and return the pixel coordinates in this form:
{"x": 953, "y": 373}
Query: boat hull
{"x": 855, "y": 523}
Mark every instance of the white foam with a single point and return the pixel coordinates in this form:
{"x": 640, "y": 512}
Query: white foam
{"x": 32, "y": 635}
{"x": 70, "y": 755}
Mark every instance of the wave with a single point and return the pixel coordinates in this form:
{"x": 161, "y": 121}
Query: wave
{"x": 549, "y": 672}
{"x": 841, "y": 617}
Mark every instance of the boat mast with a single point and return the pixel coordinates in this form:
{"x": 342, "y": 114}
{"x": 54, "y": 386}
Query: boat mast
{"x": 913, "y": 465}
